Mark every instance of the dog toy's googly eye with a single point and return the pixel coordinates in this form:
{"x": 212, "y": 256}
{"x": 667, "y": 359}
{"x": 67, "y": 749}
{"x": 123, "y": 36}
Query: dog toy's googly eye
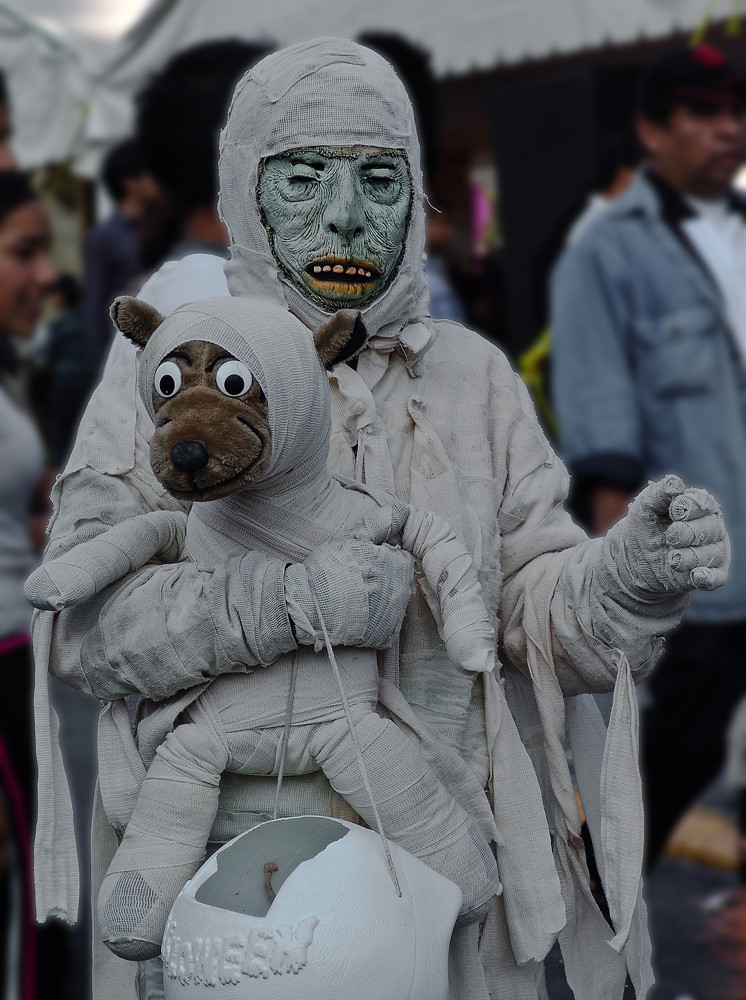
{"x": 234, "y": 378}
{"x": 167, "y": 379}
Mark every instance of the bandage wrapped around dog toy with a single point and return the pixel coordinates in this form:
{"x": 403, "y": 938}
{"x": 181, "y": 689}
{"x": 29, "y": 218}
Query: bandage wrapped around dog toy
{"x": 239, "y": 397}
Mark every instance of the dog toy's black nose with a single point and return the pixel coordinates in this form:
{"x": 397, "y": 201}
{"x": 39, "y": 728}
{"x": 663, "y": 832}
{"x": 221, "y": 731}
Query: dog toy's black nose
{"x": 189, "y": 456}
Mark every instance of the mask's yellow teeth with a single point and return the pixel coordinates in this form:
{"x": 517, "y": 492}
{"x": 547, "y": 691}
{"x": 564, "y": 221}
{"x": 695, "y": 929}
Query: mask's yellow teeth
{"x": 338, "y": 271}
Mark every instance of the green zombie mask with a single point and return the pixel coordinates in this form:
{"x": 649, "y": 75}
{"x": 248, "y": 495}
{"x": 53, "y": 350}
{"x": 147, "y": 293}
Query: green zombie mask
{"x": 337, "y": 220}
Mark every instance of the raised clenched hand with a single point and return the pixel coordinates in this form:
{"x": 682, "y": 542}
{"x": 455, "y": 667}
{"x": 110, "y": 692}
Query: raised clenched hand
{"x": 672, "y": 540}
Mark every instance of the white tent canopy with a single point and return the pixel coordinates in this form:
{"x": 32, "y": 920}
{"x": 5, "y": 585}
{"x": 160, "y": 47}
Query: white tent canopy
{"x": 462, "y": 36}
{"x": 47, "y": 89}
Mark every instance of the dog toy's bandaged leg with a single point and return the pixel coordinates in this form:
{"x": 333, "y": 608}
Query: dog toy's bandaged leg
{"x": 406, "y": 801}
{"x": 91, "y": 566}
{"x": 165, "y": 840}
{"x": 450, "y": 572}
{"x": 416, "y": 810}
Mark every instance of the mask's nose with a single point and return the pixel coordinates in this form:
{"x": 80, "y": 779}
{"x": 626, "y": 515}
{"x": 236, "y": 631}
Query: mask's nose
{"x": 189, "y": 456}
{"x": 345, "y": 214}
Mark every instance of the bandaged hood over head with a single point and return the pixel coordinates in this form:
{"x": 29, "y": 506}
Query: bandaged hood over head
{"x": 329, "y": 92}
{"x": 280, "y": 354}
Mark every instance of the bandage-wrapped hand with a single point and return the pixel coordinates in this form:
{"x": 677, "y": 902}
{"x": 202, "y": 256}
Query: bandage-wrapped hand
{"x": 362, "y": 589}
{"x": 673, "y": 540}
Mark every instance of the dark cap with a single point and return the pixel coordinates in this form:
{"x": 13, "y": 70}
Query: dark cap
{"x": 699, "y": 76}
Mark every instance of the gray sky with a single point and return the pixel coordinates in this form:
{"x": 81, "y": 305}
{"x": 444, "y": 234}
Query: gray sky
{"x": 103, "y": 18}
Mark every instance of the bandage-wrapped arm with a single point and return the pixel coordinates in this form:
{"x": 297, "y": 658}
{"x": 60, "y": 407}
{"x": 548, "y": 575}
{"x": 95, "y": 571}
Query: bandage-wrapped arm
{"x": 89, "y": 567}
{"x": 164, "y": 627}
{"x": 576, "y": 581}
{"x": 168, "y": 626}
{"x": 454, "y": 593}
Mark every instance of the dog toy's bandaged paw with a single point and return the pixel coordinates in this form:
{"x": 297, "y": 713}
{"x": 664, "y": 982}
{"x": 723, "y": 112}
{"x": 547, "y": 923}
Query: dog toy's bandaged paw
{"x": 92, "y": 566}
{"x": 363, "y": 591}
{"x": 384, "y": 524}
{"x": 133, "y": 909}
{"x": 162, "y": 848}
{"x": 463, "y": 856}
{"x": 450, "y": 572}
{"x": 673, "y": 540}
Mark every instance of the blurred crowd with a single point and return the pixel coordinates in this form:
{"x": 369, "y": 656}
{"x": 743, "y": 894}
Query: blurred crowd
{"x": 646, "y": 345}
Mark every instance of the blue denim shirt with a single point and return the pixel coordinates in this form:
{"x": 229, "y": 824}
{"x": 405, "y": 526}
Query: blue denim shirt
{"x": 646, "y": 379}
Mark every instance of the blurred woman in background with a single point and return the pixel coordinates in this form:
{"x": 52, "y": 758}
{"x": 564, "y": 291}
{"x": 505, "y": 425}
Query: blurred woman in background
{"x": 26, "y": 279}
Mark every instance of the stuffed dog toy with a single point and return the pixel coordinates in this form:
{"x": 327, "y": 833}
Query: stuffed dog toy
{"x": 239, "y": 398}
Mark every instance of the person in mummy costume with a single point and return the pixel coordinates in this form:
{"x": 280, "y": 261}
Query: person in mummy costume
{"x": 321, "y": 194}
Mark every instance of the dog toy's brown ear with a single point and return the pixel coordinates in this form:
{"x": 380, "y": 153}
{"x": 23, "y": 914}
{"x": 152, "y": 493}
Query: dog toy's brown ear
{"x": 340, "y": 338}
{"x": 135, "y": 319}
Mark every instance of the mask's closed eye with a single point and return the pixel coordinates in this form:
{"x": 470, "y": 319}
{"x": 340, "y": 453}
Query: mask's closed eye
{"x": 233, "y": 378}
{"x": 167, "y": 379}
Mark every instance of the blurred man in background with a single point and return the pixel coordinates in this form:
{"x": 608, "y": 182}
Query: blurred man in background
{"x": 649, "y": 321}
{"x": 180, "y": 112}
{"x": 179, "y": 116}
{"x": 69, "y": 373}
{"x": 444, "y": 299}
{"x": 618, "y": 161}
{"x": 112, "y": 255}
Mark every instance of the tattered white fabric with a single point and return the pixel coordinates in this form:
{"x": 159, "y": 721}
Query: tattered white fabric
{"x": 438, "y": 417}
{"x": 57, "y": 884}
{"x": 608, "y": 778}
